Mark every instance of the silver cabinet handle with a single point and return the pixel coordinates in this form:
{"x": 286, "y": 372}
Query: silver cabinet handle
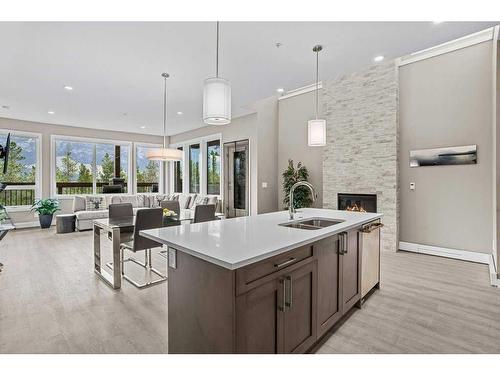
{"x": 341, "y": 244}
{"x": 282, "y": 307}
{"x": 291, "y": 260}
{"x": 345, "y": 243}
{"x": 288, "y": 301}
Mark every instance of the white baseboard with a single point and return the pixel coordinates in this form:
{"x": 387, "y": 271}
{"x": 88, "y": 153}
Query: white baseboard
{"x": 27, "y": 224}
{"x": 445, "y": 252}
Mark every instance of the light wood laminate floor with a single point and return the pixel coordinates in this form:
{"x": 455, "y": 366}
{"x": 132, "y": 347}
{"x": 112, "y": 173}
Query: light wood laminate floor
{"x": 52, "y": 302}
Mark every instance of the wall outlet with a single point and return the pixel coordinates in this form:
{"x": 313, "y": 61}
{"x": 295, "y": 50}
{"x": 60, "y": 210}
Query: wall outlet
{"x": 412, "y": 186}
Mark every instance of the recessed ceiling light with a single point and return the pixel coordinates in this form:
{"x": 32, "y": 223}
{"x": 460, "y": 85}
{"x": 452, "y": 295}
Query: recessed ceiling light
{"x": 68, "y": 88}
{"x": 179, "y": 113}
{"x": 437, "y": 22}
{"x": 378, "y": 58}
{"x": 143, "y": 127}
{"x": 280, "y": 90}
{"x": 50, "y": 112}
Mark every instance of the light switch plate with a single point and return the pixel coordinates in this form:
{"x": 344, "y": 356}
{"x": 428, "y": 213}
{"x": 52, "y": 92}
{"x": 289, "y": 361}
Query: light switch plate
{"x": 264, "y": 185}
{"x": 172, "y": 258}
{"x": 412, "y": 186}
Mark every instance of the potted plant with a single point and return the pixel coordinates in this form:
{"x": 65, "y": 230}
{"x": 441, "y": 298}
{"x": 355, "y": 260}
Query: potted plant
{"x": 45, "y": 209}
{"x": 302, "y": 195}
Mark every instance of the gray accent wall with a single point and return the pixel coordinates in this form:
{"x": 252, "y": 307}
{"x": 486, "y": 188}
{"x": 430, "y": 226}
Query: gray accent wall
{"x": 294, "y": 112}
{"x": 361, "y": 110}
{"x": 446, "y": 101}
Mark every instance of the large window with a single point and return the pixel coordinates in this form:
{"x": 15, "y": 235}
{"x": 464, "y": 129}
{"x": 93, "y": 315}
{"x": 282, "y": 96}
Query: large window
{"x": 194, "y": 168}
{"x": 22, "y": 170}
{"x": 85, "y": 167}
{"x": 213, "y": 167}
{"x": 200, "y": 172}
{"x": 148, "y": 172}
{"x": 178, "y": 166}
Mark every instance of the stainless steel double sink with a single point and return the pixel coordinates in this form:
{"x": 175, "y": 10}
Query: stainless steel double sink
{"x": 312, "y": 223}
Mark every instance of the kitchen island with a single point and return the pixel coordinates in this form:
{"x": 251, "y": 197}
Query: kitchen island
{"x": 264, "y": 283}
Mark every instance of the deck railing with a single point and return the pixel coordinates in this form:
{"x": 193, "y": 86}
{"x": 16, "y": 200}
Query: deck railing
{"x": 23, "y": 193}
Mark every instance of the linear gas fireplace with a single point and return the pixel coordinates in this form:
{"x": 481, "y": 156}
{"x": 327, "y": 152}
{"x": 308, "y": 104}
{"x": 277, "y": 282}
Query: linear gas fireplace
{"x": 357, "y": 202}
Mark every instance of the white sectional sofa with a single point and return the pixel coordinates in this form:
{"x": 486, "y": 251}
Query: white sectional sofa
{"x": 90, "y": 207}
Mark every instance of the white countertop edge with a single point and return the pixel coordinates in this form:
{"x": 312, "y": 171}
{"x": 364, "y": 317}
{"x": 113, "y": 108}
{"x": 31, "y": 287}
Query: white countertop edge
{"x": 325, "y": 232}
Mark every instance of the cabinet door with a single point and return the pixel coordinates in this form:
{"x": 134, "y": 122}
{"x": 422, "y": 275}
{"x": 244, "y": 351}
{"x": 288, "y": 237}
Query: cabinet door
{"x": 259, "y": 318}
{"x": 299, "y": 322}
{"x": 329, "y": 307}
{"x": 351, "y": 269}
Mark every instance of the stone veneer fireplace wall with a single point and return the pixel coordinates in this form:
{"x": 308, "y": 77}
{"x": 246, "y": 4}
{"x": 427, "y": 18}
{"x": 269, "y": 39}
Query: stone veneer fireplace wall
{"x": 361, "y": 110}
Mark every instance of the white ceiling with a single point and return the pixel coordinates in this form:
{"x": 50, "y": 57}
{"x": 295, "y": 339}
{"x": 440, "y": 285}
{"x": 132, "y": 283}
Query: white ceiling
{"x": 115, "y": 67}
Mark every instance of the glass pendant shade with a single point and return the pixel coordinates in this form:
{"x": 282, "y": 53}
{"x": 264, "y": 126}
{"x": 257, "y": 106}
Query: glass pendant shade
{"x": 164, "y": 154}
{"x": 316, "y": 132}
{"x": 217, "y": 101}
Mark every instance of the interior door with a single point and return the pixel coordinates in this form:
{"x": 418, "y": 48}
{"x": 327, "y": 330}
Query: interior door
{"x": 236, "y": 178}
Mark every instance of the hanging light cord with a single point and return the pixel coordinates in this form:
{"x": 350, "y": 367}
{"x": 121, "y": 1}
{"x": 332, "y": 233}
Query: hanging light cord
{"x": 317, "y": 81}
{"x": 165, "y": 113}
{"x": 217, "y": 54}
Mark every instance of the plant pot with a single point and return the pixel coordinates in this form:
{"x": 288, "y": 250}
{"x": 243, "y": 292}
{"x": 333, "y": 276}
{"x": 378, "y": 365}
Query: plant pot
{"x": 45, "y": 221}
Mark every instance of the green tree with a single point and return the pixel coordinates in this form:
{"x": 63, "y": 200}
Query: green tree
{"x": 108, "y": 168}
{"x": 68, "y": 169}
{"x": 152, "y": 171}
{"x": 15, "y": 167}
{"x": 84, "y": 174}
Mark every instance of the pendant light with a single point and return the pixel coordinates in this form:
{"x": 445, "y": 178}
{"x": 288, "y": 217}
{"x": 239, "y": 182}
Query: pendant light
{"x": 316, "y": 129}
{"x": 217, "y": 96}
{"x": 164, "y": 153}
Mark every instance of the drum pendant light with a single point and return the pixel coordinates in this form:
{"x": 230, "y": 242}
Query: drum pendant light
{"x": 164, "y": 153}
{"x": 316, "y": 129}
{"x": 217, "y": 96}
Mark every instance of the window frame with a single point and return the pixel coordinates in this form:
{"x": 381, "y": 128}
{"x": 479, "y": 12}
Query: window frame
{"x": 174, "y": 174}
{"x": 202, "y": 141}
{"x": 57, "y": 137}
{"x": 207, "y": 145}
{"x": 38, "y": 174}
{"x": 161, "y": 183}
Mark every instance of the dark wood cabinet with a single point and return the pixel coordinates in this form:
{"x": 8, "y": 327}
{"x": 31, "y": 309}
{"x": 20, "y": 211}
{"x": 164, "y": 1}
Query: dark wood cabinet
{"x": 282, "y": 304}
{"x": 279, "y": 316}
{"x": 329, "y": 305}
{"x": 299, "y": 318}
{"x": 259, "y": 319}
{"x": 350, "y": 269}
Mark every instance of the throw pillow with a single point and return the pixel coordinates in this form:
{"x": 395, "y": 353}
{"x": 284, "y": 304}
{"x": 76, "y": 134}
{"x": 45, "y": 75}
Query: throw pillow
{"x": 94, "y": 203}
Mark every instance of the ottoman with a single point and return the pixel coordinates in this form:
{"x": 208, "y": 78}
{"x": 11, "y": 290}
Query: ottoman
{"x": 65, "y": 223}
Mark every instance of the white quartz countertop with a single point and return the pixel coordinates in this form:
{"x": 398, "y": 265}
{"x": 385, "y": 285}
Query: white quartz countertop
{"x": 237, "y": 242}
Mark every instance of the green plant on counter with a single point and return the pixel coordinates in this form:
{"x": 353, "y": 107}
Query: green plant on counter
{"x": 46, "y": 206}
{"x": 302, "y": 195}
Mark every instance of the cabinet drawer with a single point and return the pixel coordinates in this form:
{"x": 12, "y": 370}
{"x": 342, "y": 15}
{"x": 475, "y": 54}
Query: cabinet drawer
{"x": 254, "y": 272}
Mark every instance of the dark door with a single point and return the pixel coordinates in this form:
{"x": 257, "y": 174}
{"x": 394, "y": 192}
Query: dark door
{"x": 351, "y": 266}
{"x": 236, "y": 178}
{"x": 299, "y": 323}
{"x": 259, "y": 319}
{"x": 329, "y": 303}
